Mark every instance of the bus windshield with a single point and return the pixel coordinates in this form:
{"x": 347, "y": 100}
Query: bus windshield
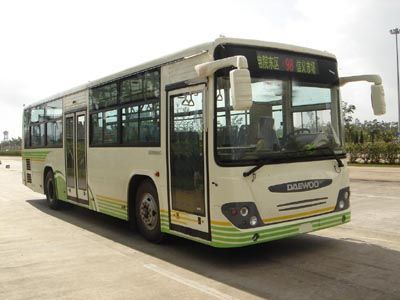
{"x": 287, "y": 119}
{"x": 292, "y": 117}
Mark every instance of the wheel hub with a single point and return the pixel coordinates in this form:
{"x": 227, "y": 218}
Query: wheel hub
{"x": 148, "y": 211}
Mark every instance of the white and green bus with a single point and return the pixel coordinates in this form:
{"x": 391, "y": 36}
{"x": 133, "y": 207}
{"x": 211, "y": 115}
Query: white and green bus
{"x": 230, "y": 143}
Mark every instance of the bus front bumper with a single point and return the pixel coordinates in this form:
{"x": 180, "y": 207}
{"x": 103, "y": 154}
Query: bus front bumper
{"x": 229, "y": 236}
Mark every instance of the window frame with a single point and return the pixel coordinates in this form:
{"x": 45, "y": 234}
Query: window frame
{"x": 124, "y": 104}
{"x": 29, "y": 124}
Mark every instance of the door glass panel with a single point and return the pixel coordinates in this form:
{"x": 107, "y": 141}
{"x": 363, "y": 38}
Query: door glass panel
{"x": 69, "y": 151}
{"x": 186, "y": 148}
{"x": 80, "y": 151}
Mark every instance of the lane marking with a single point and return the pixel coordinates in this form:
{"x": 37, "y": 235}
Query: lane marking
{"x": 200, "y": 287}
{"x": 375, "y": 196}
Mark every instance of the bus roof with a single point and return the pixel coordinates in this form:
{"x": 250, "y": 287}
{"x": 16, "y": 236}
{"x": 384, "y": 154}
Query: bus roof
{"x": 192, "y": 51}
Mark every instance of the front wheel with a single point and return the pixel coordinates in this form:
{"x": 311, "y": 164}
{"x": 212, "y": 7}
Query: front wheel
{"x": 148, "y": 212}
{"x": 50, "y": 191}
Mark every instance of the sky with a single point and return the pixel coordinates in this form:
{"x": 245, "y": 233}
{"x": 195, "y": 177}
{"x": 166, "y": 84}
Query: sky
{"x": 47, "y": 47}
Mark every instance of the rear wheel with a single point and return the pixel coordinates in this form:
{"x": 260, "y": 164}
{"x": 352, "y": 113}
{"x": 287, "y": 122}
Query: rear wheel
{"x": 50, "y": 190}
{"x": 148, "y": 212}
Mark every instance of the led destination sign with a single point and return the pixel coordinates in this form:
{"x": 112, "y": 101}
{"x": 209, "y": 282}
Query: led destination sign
{"x": 287, "y": 63}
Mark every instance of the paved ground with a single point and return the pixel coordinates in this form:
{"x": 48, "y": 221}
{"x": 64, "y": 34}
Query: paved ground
{"x": 78, "y": 254}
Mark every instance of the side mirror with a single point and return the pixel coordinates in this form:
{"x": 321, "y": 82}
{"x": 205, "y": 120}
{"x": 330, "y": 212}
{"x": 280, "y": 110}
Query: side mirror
{"x": 378, "y": 99}
{"x": 241, "y": 89}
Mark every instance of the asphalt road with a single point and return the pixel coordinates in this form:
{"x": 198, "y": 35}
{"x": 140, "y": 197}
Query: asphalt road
{"x": 78, "y": 254}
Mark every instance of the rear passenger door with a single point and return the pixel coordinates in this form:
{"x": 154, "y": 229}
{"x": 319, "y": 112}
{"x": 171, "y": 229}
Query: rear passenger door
{"x": 75, "y": 157}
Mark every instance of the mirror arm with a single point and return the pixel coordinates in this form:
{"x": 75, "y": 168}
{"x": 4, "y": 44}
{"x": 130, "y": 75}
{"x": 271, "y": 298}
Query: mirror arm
{"x": 209, "y": 68}
{"x": 376, "y": 79}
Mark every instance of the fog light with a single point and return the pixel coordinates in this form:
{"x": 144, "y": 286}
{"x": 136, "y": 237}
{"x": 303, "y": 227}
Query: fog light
{"x": 253, "y": 221}
{"x": 341, "y": 204}
{"x": 244, "y": 211}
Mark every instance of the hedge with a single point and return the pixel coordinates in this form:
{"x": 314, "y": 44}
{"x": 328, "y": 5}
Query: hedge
{"x": 376, "y": 153}
{"x": 10, "y": 153}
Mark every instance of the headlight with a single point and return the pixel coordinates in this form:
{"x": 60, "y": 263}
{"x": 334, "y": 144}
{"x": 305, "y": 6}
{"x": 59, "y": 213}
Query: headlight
{"x": 343, "y": 200}
{"x": 341, "y": 204}
{"x": 253, "y": 221}
{"x": 244, "y": 211}
{"x": 242, "y": 214}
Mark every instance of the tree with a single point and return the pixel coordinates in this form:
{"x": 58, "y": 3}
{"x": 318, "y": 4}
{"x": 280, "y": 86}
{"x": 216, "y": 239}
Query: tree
{"x": 347, "y": 112}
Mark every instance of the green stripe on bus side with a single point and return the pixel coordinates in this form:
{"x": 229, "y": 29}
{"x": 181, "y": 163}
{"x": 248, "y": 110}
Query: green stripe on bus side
{"x": 110, "y": 204}
{"x": 228, "y": 229}
{"x": 122, "y": 212}
{"x": 112, "y": 209}
{"x": 110, "y": 201}
{"x": 34, "y": 157}
{"x": 35, "y": 154}
{"x": 114, "y": 214}
{"x": 105, "y": 208}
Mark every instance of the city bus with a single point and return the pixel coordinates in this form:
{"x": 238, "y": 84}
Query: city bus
{"x": 229, "y": 143}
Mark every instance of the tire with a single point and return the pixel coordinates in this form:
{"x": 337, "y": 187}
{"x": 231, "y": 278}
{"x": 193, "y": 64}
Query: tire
{"x": 50, "y": 191}
{"x": 147, "y": 212}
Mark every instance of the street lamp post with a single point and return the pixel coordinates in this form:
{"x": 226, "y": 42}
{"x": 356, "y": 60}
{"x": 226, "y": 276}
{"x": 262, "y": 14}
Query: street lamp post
{"x": 396, "y": 31}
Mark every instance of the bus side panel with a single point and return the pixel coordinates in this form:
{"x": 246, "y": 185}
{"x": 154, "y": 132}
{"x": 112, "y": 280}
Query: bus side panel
{"x": 34, "y": 161}
{"x": 110, "y": 170}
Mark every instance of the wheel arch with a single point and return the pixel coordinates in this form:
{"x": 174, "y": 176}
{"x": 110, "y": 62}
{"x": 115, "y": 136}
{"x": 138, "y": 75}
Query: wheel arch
{"x": 134, "y": 183}
{"x": 46, "y": 170}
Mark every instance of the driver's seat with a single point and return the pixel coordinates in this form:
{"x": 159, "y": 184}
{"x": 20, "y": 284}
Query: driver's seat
{"x": 267, "y": 132}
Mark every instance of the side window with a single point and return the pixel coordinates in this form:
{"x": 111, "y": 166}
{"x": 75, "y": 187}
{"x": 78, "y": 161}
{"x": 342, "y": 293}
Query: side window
{"x": 110, "y": 127}
{"x": 54, "y": 133}
{"x": 149, "y": 127}
{"x": 127, "y": 111}
{"x": 103, "y": 96}
{"x": 96, "y": 121}
{"x": 35, "y": 135}
{"x": 130, "y": 125}
{"x": 37, "y": 114}
{"x": 54, "y": 109}
{"x": 152, "y": 80}
{"x": 132, "y": 89}
{"x": 27, "y": 138}
{"x": 43, "y": 125}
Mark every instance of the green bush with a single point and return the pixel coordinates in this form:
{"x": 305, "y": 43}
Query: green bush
{"x": 379, "y": 152}
{"x": 10, "y": 153}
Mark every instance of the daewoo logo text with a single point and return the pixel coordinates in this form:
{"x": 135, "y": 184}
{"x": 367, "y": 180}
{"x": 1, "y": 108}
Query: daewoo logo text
{"x": 305, "y": 185}
{"x": 300, "y": 186}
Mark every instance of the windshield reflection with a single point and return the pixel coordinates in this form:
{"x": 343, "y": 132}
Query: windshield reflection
{"x": 287, "y": 119}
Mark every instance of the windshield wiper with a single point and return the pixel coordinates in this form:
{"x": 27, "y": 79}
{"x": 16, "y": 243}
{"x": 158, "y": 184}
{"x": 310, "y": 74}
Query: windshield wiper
{"x": 260, "y": 164}
{"x": 263, "y": 162}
